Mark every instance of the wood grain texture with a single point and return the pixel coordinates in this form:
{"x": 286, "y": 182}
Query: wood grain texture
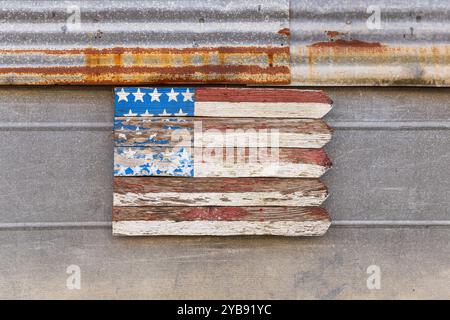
{"x": 305, "y": 110}
{"x": 220, "y": 162}
{"x": 158, "y": 131}
{"x": 171, "y": 191}
{"x": 261, "y": 103}
{"x": 220, "y": 102}
{"x": 178, "y": 214}
{"x": 261, "y": 95}
{"x": 220, "y": 221}
{"x": 213, "y": 161}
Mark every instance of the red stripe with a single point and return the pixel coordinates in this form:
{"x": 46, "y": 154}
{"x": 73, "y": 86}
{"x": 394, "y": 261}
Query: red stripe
{"x": 259, "y": 95}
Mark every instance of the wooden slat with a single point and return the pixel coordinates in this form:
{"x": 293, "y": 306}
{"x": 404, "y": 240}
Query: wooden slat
{"x": 261, "y": 103}
{"x": 261, "y": 95}
{"x": 234, "y": 162}
{"x": 286, "y": 221}
{"x": 159, "y": 131}
{"x": 221, "y": 102}
{"x": 170, "y": 191}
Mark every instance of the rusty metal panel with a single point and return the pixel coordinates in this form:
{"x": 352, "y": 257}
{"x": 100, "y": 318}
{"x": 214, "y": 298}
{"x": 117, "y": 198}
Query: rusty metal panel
{"x": 370, "y": 42}
{"x": 155, "y": 41}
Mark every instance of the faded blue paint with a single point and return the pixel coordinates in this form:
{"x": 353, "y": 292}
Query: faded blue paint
{"x": 149, "y": 135}
{"x": 156, "y": 102}
{"x": 153, "y": 161}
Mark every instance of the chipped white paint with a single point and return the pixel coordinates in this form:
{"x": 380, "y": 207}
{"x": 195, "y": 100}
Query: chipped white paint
{"x": 306, "y": 110}
{"x": 295, "y": 198}
{"x": 264, "y": 169}
{"x": 313, "y": 140}
{"x": 220, "y": 228}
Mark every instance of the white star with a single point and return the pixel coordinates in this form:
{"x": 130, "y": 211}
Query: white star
{"x": 172, "y": 95}
{"x": 146, "y": 114}
{"x": 180, "y": 113}
{"x": 188, "y": 95}
{"x": 129, "y": 153}
{"x": 136, "y": 169}
{"x": 138, "y": 95}
{"x": 122, "y": 95}
{"x": 164, "y": 114}
{"x": 121, "y": 170}
{"x": 155, "y": 95}
{"x": 130, "y": 114}
{"x": 122, "y": 136}
{"x": 138, "y": 132}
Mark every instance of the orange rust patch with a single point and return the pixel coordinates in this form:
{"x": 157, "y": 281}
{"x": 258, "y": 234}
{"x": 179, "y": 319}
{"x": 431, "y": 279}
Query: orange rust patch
{"x": 333, "y": 34}
{"x": 285, "y": 31}
{"x": 240, "y": 65}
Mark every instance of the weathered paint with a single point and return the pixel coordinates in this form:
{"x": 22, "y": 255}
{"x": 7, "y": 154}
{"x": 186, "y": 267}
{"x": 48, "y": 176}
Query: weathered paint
{"x": 154, "y": 102}
{"x": 165, "y": 191}
{"x": 219, "y": 228}
{"x": 226, "y": 162}
{"x": 220, "y": 213}
{"x": 159, "y": 131}
{"x": 155, "y": 161}
{"x": 216, "y": 136}
{"x": 220, "y": 102}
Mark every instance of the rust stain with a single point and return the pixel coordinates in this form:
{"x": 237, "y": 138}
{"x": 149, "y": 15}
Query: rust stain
{"x": 285, "y": 31}
{"x": 161, "y": 65}
{"x": 348, "y": 62}
{"x": 347, "y": 44}
{"x": 334, "y": 34}
{"x": 270, "y": 59}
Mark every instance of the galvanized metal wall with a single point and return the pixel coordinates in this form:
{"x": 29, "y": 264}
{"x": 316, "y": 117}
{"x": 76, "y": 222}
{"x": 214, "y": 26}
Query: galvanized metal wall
{"x": 389, "y": 198}
{"x": 389, "y": 191}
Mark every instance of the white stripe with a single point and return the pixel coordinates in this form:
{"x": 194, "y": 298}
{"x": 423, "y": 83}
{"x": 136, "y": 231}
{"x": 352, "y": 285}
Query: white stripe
{"x": 261, "y": 109}
{"x": 194, "y": 199}
{"x": 252, "y": 139}
{"x": 220, "y": 228}
{"x": 285, "y": 170}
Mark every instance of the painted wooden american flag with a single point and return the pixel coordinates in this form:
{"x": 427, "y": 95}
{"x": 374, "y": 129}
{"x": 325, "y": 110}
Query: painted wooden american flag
{"x": 219, "y": 161}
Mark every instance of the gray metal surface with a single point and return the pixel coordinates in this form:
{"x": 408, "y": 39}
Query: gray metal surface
{"x": 414, "y": 263}
{"x": 389, "y": 199}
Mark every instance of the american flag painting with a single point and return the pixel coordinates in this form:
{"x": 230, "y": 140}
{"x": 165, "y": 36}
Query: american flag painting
{"x": 219, "y": 161}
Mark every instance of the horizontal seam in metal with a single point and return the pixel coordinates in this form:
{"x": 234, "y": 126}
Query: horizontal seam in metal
{"x": 337, "y": 223}
{"x": 390, "y": 125}
{"x": 342, "y": 125}
{"x": 54, "y": 225}
{"x": 30, "y": 126}
{"x": 390, "y": 223}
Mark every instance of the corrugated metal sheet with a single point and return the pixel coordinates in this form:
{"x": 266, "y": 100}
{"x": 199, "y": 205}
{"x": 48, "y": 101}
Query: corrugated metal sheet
{"x": 339, "y": 43}
{"x": 105, "y": 42}
{"x": 218, "y": 41}
{"x": 389, "y": 200}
